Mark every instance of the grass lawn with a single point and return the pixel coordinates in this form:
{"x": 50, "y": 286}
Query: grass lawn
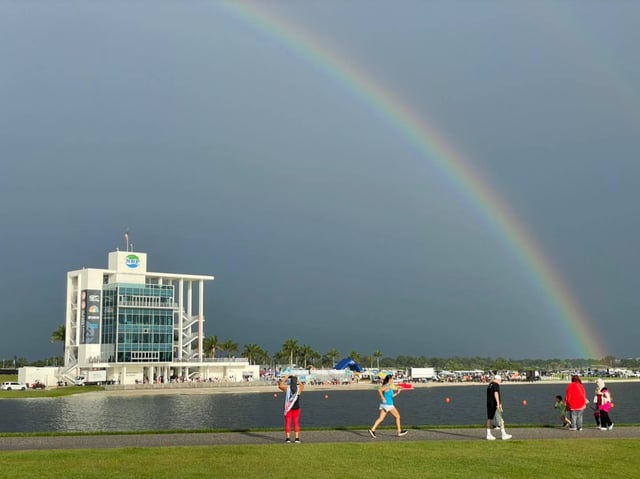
{"x": 44, "y": 393}
{"x": 48, "y": 393}
{"x": 617, "y": 458}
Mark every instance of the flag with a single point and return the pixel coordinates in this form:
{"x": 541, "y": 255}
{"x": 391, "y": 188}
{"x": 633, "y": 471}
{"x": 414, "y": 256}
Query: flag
{"x": 126, "y": 236}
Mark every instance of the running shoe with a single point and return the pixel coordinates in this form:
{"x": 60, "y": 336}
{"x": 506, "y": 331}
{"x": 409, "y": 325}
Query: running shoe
{"x": 402, "y": 433}
{"x": 506, "y": 436}
{"x": 490, "y": 437}
{"x": 372, "y": 433}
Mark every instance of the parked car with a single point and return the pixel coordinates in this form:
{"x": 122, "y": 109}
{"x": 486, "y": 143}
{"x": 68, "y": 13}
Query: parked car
{"x": 10, "y": 386}
{"x": 38, "y": 385}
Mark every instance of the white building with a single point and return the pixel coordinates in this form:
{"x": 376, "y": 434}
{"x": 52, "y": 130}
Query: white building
{"x": 133, "y": 326}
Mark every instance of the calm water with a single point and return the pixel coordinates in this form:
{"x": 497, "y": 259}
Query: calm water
{"x": 424, "y": 406}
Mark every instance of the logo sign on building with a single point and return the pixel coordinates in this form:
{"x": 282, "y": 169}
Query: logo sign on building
{"x": 132, "y": 261}
{"x": 90, "y": 316}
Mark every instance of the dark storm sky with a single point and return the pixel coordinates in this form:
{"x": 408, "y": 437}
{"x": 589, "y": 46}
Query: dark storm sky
{"x": 225, "y": 151}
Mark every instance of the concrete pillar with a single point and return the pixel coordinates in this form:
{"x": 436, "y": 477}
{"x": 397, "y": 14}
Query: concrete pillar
{"x": 200, "y": 318}
{"x": 181, "y": 307}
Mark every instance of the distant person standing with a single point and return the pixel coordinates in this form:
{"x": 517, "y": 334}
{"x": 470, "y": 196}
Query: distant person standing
{"x": 576, "y": 400}
{"x": 494, "y": 409}
{"x": 293, "y": 390}
{"x": 387, "y": 392}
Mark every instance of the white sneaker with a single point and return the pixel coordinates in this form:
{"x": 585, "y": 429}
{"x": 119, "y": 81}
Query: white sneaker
{"x": 506, "y": 436}
{"x": 611, "y": 427}
{"x": 490, "y": 437}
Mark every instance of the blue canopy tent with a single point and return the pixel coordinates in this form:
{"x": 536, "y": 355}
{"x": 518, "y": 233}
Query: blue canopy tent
{"x": 350, "y": 364}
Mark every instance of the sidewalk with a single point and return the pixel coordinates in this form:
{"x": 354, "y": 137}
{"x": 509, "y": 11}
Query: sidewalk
{"x": 308, "y": 437}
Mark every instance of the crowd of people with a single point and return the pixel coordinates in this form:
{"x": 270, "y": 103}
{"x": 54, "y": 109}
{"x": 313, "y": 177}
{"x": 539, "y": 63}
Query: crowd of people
{"x": 571, "y": 406}
{"x": 576, "y": 402}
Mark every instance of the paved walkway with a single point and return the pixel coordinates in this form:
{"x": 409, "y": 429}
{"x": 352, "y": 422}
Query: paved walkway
{"x": 308, "y": 437}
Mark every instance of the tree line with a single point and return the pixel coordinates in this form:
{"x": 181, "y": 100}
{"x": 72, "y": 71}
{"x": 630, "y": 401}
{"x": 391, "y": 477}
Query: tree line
{"x": 292, "y": 352}
{"x": 303, "y": 355}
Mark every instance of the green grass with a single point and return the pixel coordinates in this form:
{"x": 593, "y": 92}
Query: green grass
{"x": 50, "y": 393}
{"x": 43, "y": 393}
{"x": 563, "y": 458}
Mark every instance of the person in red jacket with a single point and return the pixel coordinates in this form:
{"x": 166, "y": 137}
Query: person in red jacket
{"x": 576, "y": 401}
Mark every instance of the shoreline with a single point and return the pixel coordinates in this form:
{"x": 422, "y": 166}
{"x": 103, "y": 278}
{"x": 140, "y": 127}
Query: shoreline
{"x": 251, "y": 388}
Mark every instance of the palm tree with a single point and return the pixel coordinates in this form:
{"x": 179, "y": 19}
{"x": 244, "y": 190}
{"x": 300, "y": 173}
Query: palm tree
{"x": 262, "y": 356}
{"x": 365, "y": 360}
{"x": 332, "y": 354}
{"x": 308, "y": 354}
{"x": 355, "y": 355}
{"x": 252, "y": 352}
{"x": 290, "y": 348}
{"x": 210, "y": 344}
{"x": 229, "y": 347}
{"x": 59, "y": 335}
{"x": 377, "y": 354}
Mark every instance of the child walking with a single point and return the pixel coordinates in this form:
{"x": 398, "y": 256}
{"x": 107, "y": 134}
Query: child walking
{"x": 562, "y": 408}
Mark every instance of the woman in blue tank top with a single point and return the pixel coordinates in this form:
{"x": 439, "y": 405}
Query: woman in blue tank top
{"x": 387, "y": 392}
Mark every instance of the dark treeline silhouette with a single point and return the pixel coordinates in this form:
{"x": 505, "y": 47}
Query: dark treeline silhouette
{"x": 303, "y": 355}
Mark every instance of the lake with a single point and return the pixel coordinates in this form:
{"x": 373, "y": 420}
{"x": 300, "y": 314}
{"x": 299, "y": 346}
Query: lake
{"x": 327, "y": 408}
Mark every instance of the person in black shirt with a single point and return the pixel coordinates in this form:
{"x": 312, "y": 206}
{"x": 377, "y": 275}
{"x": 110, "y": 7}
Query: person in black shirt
{"x": 494, "y": 408}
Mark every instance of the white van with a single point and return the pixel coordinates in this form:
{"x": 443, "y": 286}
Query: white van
{"x": 13, "y": 386}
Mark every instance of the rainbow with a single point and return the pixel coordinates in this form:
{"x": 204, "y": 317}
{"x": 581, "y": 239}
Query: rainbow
{"x": 569, "y": 316}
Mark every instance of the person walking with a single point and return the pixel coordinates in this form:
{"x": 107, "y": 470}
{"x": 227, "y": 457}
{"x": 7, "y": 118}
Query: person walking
{"x": 387, "y": 392}
{"x": 604, "y": 406}
{"x": 292, "y": 391}
{"x": 562, "y": 408}
{"x": 576, "y": 400}
{"x": 494, "y": 409}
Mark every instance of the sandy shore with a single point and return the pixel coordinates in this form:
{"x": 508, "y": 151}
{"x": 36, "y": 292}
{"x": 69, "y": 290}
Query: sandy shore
{"x": 242, "y": 388}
